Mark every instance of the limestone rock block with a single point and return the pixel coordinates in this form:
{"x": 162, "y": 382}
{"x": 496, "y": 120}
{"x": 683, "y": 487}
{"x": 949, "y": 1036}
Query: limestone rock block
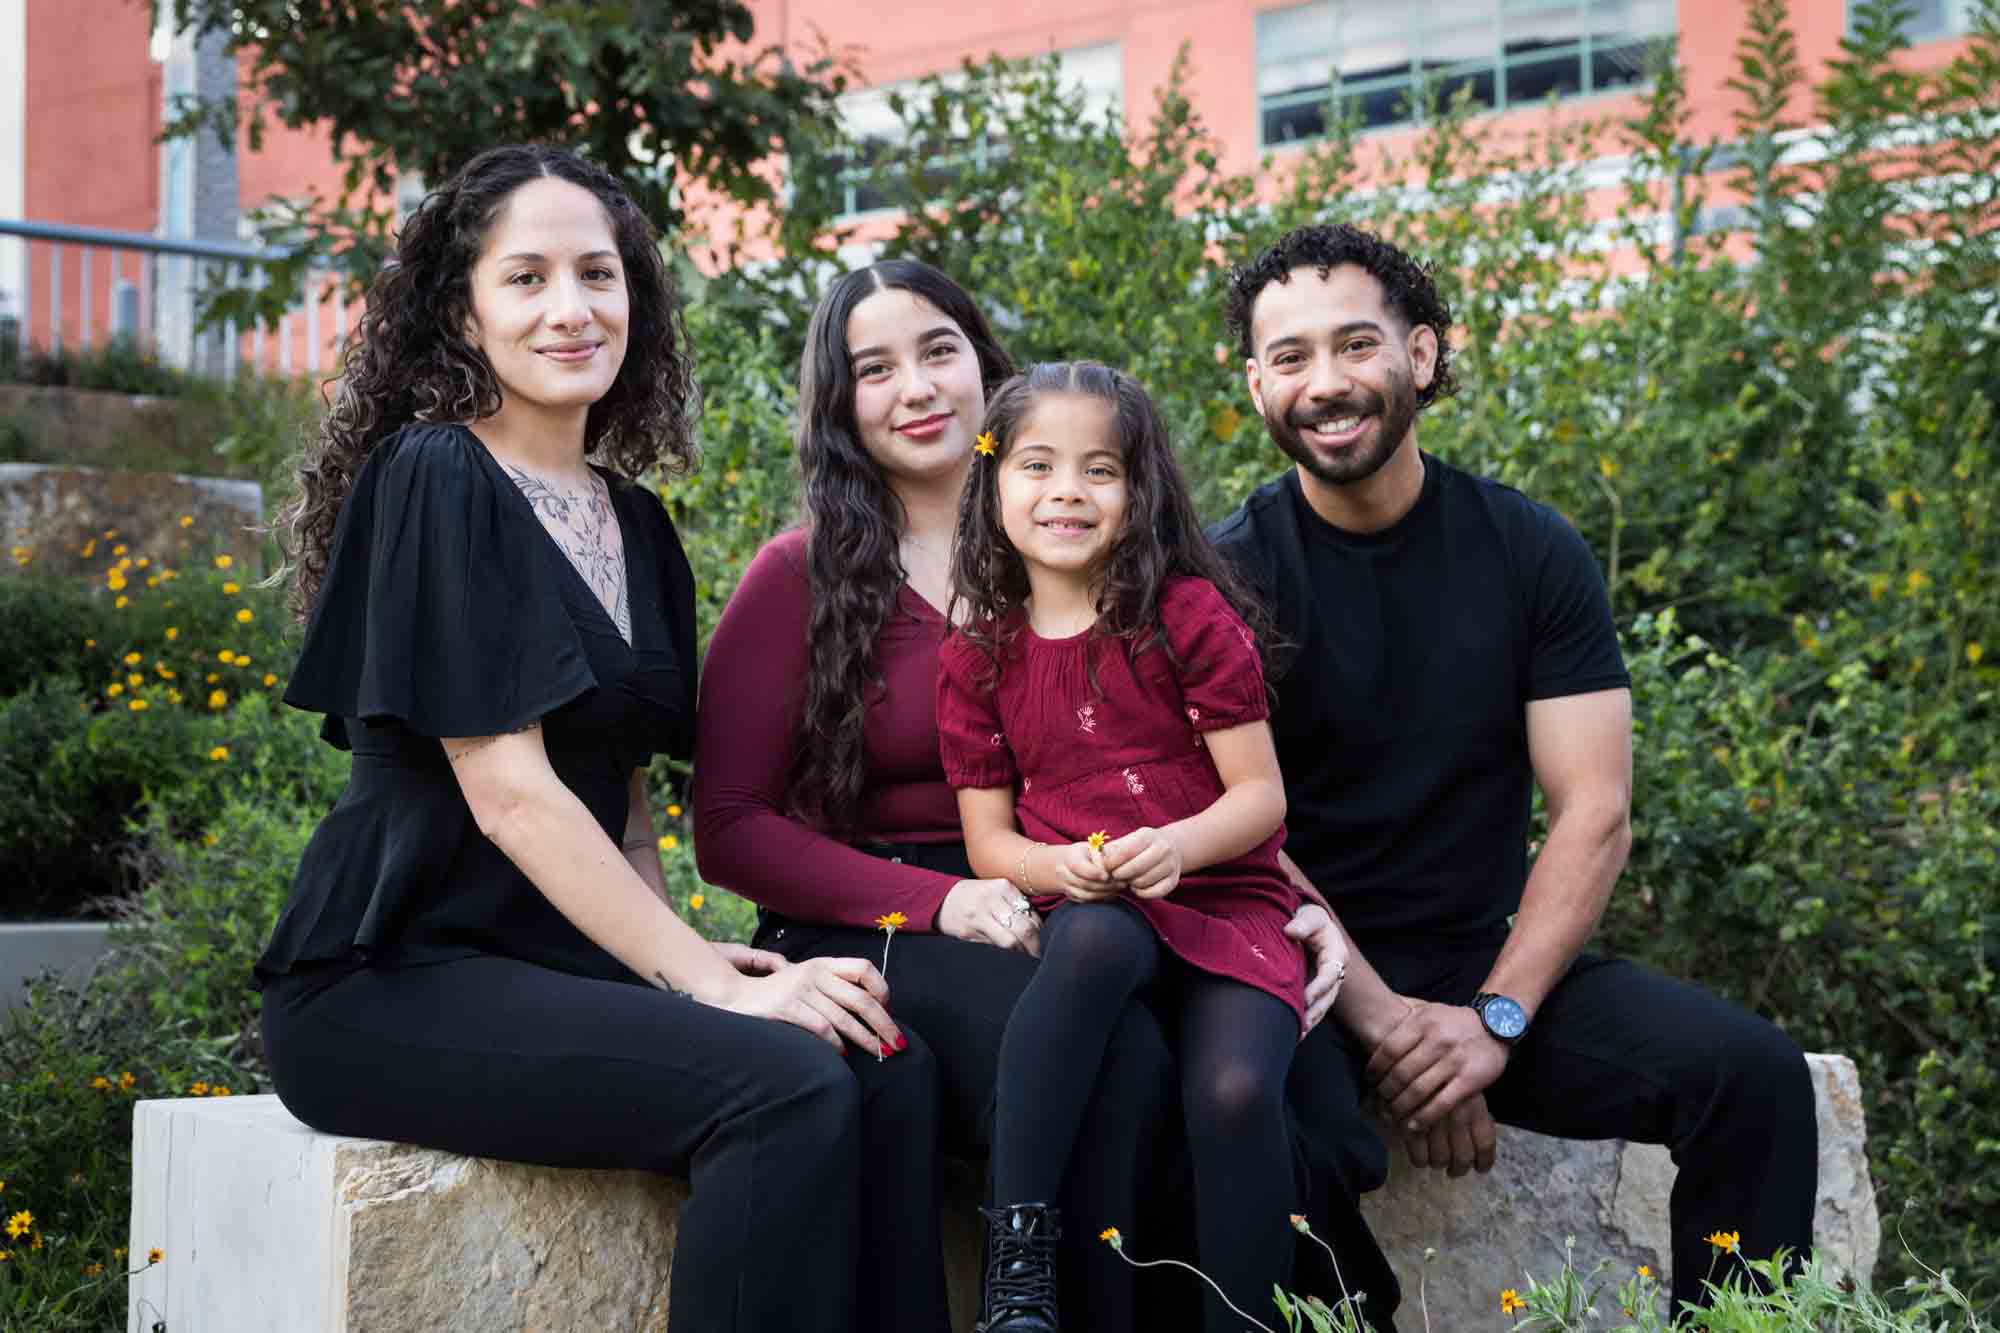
{"x": 56, "y": 513}
{"x": 1493, "y": 1231}
{"x": 267, "y": 1225}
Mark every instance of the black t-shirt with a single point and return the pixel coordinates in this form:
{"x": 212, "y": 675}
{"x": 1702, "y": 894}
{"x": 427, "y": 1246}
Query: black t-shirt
{"x": 1409, "y": 658}
{"x": 448, "y": 610}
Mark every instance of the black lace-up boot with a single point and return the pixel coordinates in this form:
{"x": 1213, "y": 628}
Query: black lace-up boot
{"x": 1020, "y": 1269}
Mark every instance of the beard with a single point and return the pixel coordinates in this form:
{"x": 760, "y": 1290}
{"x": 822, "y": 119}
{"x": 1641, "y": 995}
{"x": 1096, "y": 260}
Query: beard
{"x": 1393, "y": 413}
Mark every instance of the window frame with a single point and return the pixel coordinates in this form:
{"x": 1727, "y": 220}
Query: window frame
{"x": 1494, "y": 64}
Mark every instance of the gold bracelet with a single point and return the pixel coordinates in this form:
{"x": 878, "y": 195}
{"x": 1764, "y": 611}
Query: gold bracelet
{"x": 1027, "y": 885}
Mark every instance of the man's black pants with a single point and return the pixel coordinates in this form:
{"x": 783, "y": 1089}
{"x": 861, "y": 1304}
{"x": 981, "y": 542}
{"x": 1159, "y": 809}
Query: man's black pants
{"x": 1618, "y": 1051}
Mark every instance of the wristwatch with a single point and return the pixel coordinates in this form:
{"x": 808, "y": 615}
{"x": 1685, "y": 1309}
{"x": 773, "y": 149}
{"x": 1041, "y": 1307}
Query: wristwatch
{"x": 1505, "y": 1019}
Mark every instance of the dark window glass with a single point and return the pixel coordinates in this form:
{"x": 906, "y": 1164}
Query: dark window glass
{"x": 1620, "y": 66}
{"x": 1536, "y": 80}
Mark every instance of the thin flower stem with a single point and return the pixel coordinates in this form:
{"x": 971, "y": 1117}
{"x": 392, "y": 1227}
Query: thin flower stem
{"x": 1119, "y": 1250}
{"x": 1346, "y": 1298}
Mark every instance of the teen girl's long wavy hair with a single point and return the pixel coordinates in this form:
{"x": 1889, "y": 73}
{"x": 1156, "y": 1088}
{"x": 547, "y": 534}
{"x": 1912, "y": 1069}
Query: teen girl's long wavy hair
{"x": 410, "y": 359}
{"x": 1159, "y": 537}
{"x": 854, "y": 528}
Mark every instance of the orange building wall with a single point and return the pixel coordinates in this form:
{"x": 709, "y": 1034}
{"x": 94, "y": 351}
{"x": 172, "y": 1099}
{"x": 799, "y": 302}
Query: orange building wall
{"x": 94, "y": 92}
{"x": 93, "y": 99}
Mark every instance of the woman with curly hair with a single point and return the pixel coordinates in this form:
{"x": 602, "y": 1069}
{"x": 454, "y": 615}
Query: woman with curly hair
{"x": 477, "y": 954}
{"x": 819, "y": 792}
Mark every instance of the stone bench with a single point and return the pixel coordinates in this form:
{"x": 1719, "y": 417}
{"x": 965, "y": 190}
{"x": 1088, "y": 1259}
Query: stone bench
{"x": 268, "y": 1226}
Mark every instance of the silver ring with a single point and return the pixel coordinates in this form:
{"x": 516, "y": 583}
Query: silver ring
{"x": 1005, "y": 918}
{"x": 1020, "y": 904}
{"x": 1340, "y": 971}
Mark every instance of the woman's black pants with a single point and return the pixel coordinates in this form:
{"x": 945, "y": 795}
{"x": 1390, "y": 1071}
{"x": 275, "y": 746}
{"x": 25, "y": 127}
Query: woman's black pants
{"x": 497, "y": 1058}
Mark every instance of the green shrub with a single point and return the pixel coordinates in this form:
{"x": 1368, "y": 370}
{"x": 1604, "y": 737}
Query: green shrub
{"x": 48, "y": 620}
{"x": 168, "y": 1013}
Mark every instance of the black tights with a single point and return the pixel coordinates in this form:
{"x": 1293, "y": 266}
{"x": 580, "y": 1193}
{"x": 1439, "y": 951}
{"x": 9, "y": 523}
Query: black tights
{"x": 1235, "y": 1046}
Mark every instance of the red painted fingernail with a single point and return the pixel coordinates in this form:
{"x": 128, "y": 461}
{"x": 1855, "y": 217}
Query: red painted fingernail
{"x": 902, "y": 1042}
{"x": 888, "y": 1051}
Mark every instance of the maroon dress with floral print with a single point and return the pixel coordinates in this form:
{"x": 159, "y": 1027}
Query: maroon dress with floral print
{"x": 1126, "y": 752}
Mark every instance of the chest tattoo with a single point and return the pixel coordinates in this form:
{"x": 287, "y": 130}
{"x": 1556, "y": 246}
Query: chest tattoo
{"x": 585, "y": 527}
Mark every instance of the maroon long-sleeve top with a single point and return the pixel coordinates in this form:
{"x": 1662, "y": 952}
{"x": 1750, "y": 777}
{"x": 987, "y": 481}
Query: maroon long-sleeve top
{"x": 751, "y": 713}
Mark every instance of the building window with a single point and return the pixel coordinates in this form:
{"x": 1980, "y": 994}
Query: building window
{"x": 1928, "y": 20}
{"x": 1507, "y": 53}
{"x": 877, "y": 132}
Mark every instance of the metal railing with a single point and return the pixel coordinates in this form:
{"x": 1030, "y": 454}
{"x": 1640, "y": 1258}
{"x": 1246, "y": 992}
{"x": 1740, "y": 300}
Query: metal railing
{"x": 153, "y": 296}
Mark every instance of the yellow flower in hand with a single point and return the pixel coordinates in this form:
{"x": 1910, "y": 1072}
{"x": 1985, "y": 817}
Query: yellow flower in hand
{"x": 892, "y": 921}
{"x": 1097, "y": 841}
{"x": 985, "y": 444}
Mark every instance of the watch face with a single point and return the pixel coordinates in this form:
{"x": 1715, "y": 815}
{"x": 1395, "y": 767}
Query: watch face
{"x": 1504, "y": 1018}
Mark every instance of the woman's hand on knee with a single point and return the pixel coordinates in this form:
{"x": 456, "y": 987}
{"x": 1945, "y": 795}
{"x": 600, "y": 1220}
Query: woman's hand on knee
{"x": 992, "y": 911}
{"x": 752, "y": 962}
{"x": 838, "y": 1000}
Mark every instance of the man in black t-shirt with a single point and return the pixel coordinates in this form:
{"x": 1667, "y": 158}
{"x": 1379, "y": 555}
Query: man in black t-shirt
{"x": 1447, "y": 644}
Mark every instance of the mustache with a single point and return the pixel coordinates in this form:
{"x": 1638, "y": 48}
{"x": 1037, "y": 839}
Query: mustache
{"x": 1362, "y": 405}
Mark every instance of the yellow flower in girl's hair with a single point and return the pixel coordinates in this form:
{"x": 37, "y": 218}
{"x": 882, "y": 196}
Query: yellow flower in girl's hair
{"x": 1096, "y": 841}
{"x": 985, "y": 444}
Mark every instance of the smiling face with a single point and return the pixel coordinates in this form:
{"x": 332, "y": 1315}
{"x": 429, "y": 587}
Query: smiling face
{"x": 1062, "y": 486}
{"x": 918, "y": 396}
{"x": 1335, "y": 372}
{"x": 549, "y": 303}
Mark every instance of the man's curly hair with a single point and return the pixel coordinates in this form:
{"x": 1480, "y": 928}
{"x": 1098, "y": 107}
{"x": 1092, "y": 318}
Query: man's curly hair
{"x": 1406, "y": 287}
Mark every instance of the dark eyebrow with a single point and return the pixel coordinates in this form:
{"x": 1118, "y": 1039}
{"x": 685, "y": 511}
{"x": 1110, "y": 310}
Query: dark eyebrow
{"x": 927, "y": 336}
{"x": 530, "y": 257}
{"x": 1345, "y": 330}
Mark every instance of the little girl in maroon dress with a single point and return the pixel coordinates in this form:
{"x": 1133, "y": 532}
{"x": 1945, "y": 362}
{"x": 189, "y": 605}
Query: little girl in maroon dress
{"x": 1101, "y": 713}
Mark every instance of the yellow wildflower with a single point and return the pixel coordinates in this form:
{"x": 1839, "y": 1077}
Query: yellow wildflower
{"x": 211, "y": 678}
{"x": 1510, "y": 1301}
{"x": 114, "y": 689}
{"x": 109, "y": 533}
{"x": 19, "y": 1223}
{"x": 142, "y": 562}
{"x": 118, "y": 1252}
{"x": 985, "y": 444}
{"x": 166, "y": 672}
{"x": 5, "y": 1255}
{"x": 270, "y": 679}
{"x": 209, "y": 839}
{"x": 173, "y": 632}
{"x": 1725, "y": 1240}
{"x": 218, "y": 700}
{"x": 92, "y": 1270}
{"x": 1645, "y": 1271}
{"x": 1607, "y": 465}
{"x": 198, "y": 1090}
{"x": 219, "y": 1090}
{"x": 187, "y": 520}
{"x": 135, "y": 680}
{"x": 125, "y": 1082}
{"x": 668, "y": 842}
{"x": 88, "y": 549}
{"x": 731, "y": 477}
{"x": 673, "y": 812}
{"x": 173, "y": 696}
{"x": 243, "y": 617}
{"x": 133, "y": 659}
{"x": 224, "y": 561}
{"x": 1096, "y": 841}
{"x": 153, "y": 581}
{"x": 696, "y": 901}
{"x": 219, "y": 753}
{"x": 118, "y": 549}
{"x": 227, "y": 657}
{"x": 114, "y": 580}
{"x": 155, "y": 1256}
{"x": 243, "y": 659}
{"x": 90, "y": 643}
{"x": 1111, "y": 1237}
{"x": 138, "y": 705}
{"x": 121, "y": 603}
{"x": 892, "y": 921}
{"x": 1973, "y": 652}
{"x": 231, "y": 589}
{"x": 101, "y": 1084}
{"x": 1915, "y": 582}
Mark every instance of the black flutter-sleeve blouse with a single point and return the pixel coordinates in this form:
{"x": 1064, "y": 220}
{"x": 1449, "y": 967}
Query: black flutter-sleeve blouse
{"x": 447, "y": 610}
